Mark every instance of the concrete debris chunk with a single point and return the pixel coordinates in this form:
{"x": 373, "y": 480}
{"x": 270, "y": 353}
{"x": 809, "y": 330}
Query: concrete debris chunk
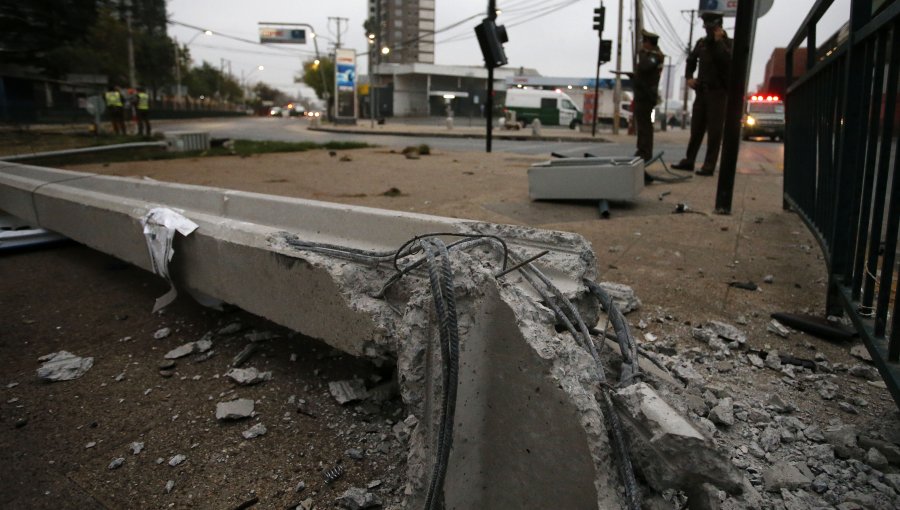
{"x": 301, "y": 486}
{"x": 773, "y": 360}
{"x": 755, "y": 360}
{"x": 876, "y": 459}
{"x": 162, "y": 333}
{"x": 357, "y": 454}
{"x": 356, "y": 498}
{"x": 723, "y": 414}
{"x": 177, "y": 460}
{"x": 136, "y": 447}
{"x": 244, "y": 355}
{"x": 255, "y": 431}
{"x": 866, "y": 372}
{"x": 826, "y": 389}
{"x": 778, "y": 329}
{"x": 667, "y": 449}
{"x": 169, "y": 486}
{"x": 784, "y": 475}
{"x": 770, "y": 439}
{"x": 348, "y": 391}
{"x": 248, "y": 376}
{"x": 727, "y": 332}
{"x": 260, "y": 336}
{"x": 235, "y": 409}
{"x": 230, "y": 329}
{"x": 844, "y": 440}
{"x": 860, "y": 351}
{"x": 116, "y": 463}
{"x": 63, "y": 366}
{"x": 90, "y": 445}
{"x": 202, "y": 345}
{"x": 623, "y": 296}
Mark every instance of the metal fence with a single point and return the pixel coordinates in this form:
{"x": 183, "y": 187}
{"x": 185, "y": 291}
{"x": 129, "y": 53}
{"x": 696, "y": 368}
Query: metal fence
{"x": 841, "y": 164}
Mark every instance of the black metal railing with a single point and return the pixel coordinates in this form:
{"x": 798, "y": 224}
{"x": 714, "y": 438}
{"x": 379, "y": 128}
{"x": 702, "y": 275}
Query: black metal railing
{"x": 840, "y": 168}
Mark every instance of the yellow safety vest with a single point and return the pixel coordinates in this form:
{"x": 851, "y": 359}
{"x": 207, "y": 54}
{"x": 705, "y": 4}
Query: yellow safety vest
{"x": 113, "y": 99}
{"x": 143, "y": 101}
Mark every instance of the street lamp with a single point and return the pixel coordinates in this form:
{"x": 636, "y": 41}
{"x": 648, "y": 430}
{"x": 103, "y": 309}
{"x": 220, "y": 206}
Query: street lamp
{"x": 385, "y": 50}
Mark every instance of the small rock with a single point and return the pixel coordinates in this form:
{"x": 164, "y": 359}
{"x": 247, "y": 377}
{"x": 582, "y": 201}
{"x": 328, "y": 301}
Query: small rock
{"x": 306, "y": 504}
{"x": 354, "y": 453}
{"x": 820, "y": 484}
{"x": 778, "y": 329}
{"x": 876, "y": 459}
{"x": 727, "y": 332}
{"x": 300, "y": 486}
{"x": 755, "y": 360}
{"x": 90, "y": 445}
{"x": 769, "y": 278}
{"x": 181, "y": 351}
{"x": 847, "y": 407}
{"x": 136, "y": 447}
{"x": 63, "y": 366}
{"x": 356, "y": 498}
{"x": 770, "y": 439}
{"x": 893, "y": 479}
{"x": 162, "y": 333}
{"x": 235, "y": 409}
{"x": 255, "y": 431}
{"x": 230, "y": 329}
{"x": 826, "y": 389}
{"x": 176, "y": 460}
{"x": 248, "y": 376}
{"x": 167, "y": 364}
{"x": 347, "y": 391}
{"x": 866, "y": 372}
{"x": 623, "y": 296}
{"x": 169, "y": 486}
{"x": 773, "y": 361}
{"x": 860, "y": 351}
{"x": 723, "y": 413}
{"x": 260, "y": 336}
{"x": 784, "y": 475}
{"x": 117, "y": 463}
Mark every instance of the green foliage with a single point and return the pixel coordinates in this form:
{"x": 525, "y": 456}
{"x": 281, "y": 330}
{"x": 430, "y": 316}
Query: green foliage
{"x": 264, "y": 92}
{"x": 207, "y": 80}
{"x": 319, "y": 77}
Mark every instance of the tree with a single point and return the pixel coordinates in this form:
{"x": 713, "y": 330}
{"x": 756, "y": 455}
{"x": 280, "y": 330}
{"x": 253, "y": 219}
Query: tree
{"x": 209, "y": 81}
{"x": 264, "y": 92}
{"x": 319, "y": 77}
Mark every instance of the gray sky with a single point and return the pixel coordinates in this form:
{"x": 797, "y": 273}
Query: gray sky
{"x": 552, "y": 36}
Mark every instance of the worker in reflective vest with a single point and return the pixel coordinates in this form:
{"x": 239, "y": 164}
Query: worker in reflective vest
{"x": 115, "y": 110}
{"x": 143, "y": 112}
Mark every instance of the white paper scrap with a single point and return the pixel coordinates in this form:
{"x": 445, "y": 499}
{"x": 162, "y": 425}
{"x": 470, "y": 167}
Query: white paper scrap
{"x": 160, "y": 225}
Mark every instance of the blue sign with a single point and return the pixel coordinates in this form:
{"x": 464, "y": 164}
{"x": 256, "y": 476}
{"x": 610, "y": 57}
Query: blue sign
{"x": 346, "y": 76}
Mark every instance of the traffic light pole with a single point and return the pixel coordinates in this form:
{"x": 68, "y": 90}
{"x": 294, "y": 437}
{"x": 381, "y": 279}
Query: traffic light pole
{"x": 489, "y": 100}
{"x": 599, "y": 15}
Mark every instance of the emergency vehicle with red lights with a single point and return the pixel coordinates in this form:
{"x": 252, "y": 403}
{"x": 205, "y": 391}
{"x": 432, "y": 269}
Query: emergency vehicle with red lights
{"x": 764, "y": 116}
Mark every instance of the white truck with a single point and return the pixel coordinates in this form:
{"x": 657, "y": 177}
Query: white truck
{"x": 605, "y": 106}
{"x": 551, "y": 107}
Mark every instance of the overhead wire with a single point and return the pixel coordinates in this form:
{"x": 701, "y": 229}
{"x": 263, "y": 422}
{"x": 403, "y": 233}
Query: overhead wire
{"x": 519, "y": 18}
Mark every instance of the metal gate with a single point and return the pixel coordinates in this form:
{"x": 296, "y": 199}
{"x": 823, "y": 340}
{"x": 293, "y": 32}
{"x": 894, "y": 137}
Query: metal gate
{"x": 841, "y": 166}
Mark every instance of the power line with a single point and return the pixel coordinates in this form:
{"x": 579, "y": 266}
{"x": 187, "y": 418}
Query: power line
{"x": 520, "y": 19}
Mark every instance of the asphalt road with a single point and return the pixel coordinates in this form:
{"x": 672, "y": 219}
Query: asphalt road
{"x": 262, "y": 128}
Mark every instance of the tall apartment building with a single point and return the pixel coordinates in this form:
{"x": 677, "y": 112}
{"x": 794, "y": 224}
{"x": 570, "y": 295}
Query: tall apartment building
{"x": 407, "y": 29}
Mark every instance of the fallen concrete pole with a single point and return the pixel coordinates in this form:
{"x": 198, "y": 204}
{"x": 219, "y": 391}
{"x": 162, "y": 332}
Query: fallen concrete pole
{"x": 528, "y": 431}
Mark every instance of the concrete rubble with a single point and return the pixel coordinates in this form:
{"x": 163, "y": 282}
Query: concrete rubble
{"x": 248, "y": 376}
{"x": 255, "y": 431}
{"x": 529, "y": 431}
{"x": 63, "y": 366}
{"x": 237, "y": 409}
{"x": 183, "y": 350}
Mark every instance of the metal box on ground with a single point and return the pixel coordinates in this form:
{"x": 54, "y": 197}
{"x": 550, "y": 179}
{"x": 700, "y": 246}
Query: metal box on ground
{"x": 187, "y": 141}
{"x": 620, "y": 178}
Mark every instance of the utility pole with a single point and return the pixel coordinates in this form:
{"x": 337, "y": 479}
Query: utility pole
{"x": 337, "y": 35}
{"x": 177, "y": 72}
{"x": 638, "y": 30}
{"x": 132, "y": 78}
{"x": 617, "y": 93}
{"x": 687, "y": 90}
{"x": 489, "y": 100}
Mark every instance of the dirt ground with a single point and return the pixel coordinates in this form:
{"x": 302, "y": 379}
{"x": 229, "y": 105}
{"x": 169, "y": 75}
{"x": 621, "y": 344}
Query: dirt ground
{"x": 72, "y": 298}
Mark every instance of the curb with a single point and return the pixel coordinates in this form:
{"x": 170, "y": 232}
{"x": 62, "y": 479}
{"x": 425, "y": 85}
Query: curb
{"x": 440, "y": 134}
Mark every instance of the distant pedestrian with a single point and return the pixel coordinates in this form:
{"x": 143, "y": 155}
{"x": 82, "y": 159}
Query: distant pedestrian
{"x": 143, "y": 112}
{"x": 115, "y": 109}
{"x": 646, "y": 91}
{"x": 713, "y": 53}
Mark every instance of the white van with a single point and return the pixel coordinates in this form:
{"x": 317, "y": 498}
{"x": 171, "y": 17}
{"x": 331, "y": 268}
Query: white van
{"x": 553, "y": 108}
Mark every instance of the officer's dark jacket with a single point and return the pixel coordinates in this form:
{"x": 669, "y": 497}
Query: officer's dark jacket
{"x": 715, "y": 59}
{"x": 646, "y": 79}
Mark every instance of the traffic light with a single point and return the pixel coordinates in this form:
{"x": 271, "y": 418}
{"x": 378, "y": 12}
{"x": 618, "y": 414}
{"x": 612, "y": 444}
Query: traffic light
{"x": 599, "y": 18}
{"x": 606, "y": 50}
{"x": 491, "y": 38}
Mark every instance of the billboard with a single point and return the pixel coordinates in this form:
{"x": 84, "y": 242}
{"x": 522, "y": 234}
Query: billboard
{"x": 282, "y": 34}
{"x": 729, "y": 7}
{"x": 345, "y": 83}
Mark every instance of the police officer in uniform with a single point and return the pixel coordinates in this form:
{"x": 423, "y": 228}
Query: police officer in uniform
{"x": 713, "y": 53}
{"x": 143, "y": 112}
{"x": 115, "y": 109}
{"x": 646, "y": 91}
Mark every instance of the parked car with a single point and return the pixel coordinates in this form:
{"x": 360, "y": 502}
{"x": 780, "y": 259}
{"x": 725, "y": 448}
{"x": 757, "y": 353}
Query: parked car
{"x": 276, "y": 111}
